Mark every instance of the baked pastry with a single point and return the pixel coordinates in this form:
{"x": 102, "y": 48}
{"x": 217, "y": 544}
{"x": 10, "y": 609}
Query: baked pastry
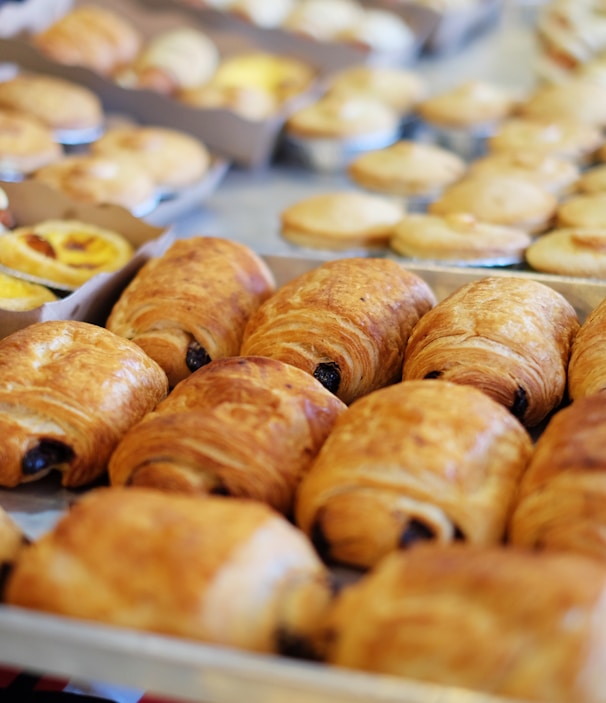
{"x": 569, "y": 139}
{"x": 173, "y": 158}
{"x": 248, "y": 427}
{"x": 562, "y": 496}
{"x": 404, "y": 465}
{"x": 583, "y": 211}
{"x": 12, "y": 541}
{"x": 577, "y": 100}
{"x": 507, "y": 336}
{"x": 102, "y": 179}
{"x": 555, "y": 174}
{"x": 501, "y": 200}
{"x": 323, "y": 20}
{"x": 592, "y": 181}
{"x": 61, "y": 105}
{"x": 172, "y": 60}
{"x": 190, "y": 305}
{"x": 587, "y": 367}
{"x": 381, "y": 32}
{"x": 346, "y": 322}
{"x": 92, "y": 36}
{"x": 570, "y": 251}
{"x": 248, "y": 102}
{"x": 507, "y": 622}
{"x": 407, "y": 168}
{"x": 340, "y": 220}
{"x": 226, "y": 571}
{"x": 69, "y": 391}
{"x": 17, "y": 294}
{"x": 261, "y": 12}
{"x": 458, "y": 238}
{"x": 25, "y": 145}
{"x": 64, "y": 252}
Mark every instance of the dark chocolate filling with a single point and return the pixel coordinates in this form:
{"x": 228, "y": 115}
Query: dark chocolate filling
{"x": 319, "y": 540}
{"x": 433, "y": 374}
{"x": 329, "y": 375}
{"x": 6, "y": 568}
{"x": 47, "y": 454}
{"x": 196, "y": 357}
{"x": 290, "y": 644}
{"x": 415, "y": 531}
{"x": 520, "y": 403}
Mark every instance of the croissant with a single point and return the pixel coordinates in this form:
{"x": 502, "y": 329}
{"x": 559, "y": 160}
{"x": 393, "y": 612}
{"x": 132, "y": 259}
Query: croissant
{"x": 243, "y": 426}
{"x": 68, "y": 391}
{"x": 420, "y": 460}
{"x": 229, "y": 571}
{"x": 562, "y": 499}
{"x": 191, "y": 305}
{"x": 508, "y": 336}
{"x": 587, "y": 367}
{"x": 503, "y": 621}
{"x": 346, "y": 322}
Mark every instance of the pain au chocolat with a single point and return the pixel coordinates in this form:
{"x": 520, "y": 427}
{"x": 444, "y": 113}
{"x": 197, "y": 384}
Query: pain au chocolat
{"x": 244, "y": 426}
{"x": 346, "y": 322}
{"x": 562, "y": 497}
{"x": 587, "y": 367}
{"x": 508, "y": 336}
{"x": 190, "y": 305}
{"x": 69, "y": 390}
{"x": 230, "y": 572}
{"x": 420, "y": 460}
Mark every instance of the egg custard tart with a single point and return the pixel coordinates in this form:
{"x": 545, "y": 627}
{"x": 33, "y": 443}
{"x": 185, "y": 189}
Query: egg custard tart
{"x": 64, "y": 252}
{"x": 16, "y": 294}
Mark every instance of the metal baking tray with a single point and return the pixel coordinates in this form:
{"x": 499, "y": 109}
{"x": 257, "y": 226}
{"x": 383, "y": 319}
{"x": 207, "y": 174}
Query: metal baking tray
{"x": 189, "y": 670}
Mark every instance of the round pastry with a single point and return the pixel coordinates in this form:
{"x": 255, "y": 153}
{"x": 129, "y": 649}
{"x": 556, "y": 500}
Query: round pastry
{"x": 508, "y": 336}
{"x": 246, "y": 101}
{"x": 587, "y": 367}
{"x": 570, "y": 252}
{"x": 25, "y": 144}
{"x": 592, "y": 181}
{"x": 397, "y": 87}
{"x": 90, "y": 36}
{"x": 505, "y": 622}
{"x": 577, "y": 100}
{"x": 17, "y": 294}
{"x": 64, "y": 252}
{"x": 568, "y": 139}
{"x": 500, "y": 200}
{"x": 583, "y": 211}
{"x": 60, "y": 104}
{"x": 407, "y": 168}
{"x": 342, "y": 220}
{"x": 561, "y": 502}
{"x": 261, "y": 12}
{"x": 173, "y": 60}
{"x": 458, "y": 238}
{"x": 405, "y": 465}
{"x": 323, "y": 19}
{"x": 553, "y": 173}
{"x": 173, "y": 158}
{"x": 381, "y": 32}
{"x": 94, "y": 178}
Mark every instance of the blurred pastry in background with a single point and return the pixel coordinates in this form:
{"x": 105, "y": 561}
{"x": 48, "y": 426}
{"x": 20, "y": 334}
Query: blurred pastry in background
{"x": 26, "y": 144}
{"x": 592, "y": 181}
{"x": 6, "y": 217}
{"x": 174, "y": 159}
{"x": 246, "y": 101}
{"x": 323, "y": 19}
{"x": 576, "y": 100}
{"x": 380, "y": 32}
{"x": 92, "y": 36}
{"x": 65, "y": 107}
{"x": 569, "y": 139}
{"x": 570, "y": 252}
{"x": 340, "y": 220}
{"x": 93, "y": 178}
{"x": 586, "y": 210}
{"x": 173, "y": 60}
{"x": 261, "y": 12}
{"x": 19, "y": 295}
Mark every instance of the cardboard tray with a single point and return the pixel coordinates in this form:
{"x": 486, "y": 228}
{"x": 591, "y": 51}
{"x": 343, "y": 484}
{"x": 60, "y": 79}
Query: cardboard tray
{"x": 193, "y": 671}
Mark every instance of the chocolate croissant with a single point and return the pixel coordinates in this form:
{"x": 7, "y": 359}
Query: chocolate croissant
{"x": 503, "y": 621}
{"x": 345, "y": 322}
{"x": 562, "y": 498}
{"x": 243, "y": 426}
{"x": 420, "y": 460}
{"x": 508, "y": 336}
{"x": 226, "y": 571}
{"x": 587, "y": 367}
{"x": 69, "y": 390}
{"x": 190, "y": 306}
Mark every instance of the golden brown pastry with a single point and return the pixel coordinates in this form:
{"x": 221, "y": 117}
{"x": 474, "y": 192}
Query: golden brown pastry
{"x": 64, "y": 252}
{"x": 17, "y": 294}
{"x": 69, "y": 391}
{"x": 562, "y": 498}
{"x": 583, "y": 211}
{"x": 12, "y": 541}
{"x": 508, "y": 336}
{"x": 587, "y": 367}
{"x": 25, "y": 144}
{"x": 244, "y": 426}
{"x": 346, "y": 322}
{"x": 578, "y": 100}
{"x": 502, "y": 621}
{"x": 190, "y": 305}
{"x": 225, "y": 571}
{"x": 570, "y": 251}
{"x": 248, "y": 102}
{"x": 420, "y": 460}
{"x": 92, "y": 36}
